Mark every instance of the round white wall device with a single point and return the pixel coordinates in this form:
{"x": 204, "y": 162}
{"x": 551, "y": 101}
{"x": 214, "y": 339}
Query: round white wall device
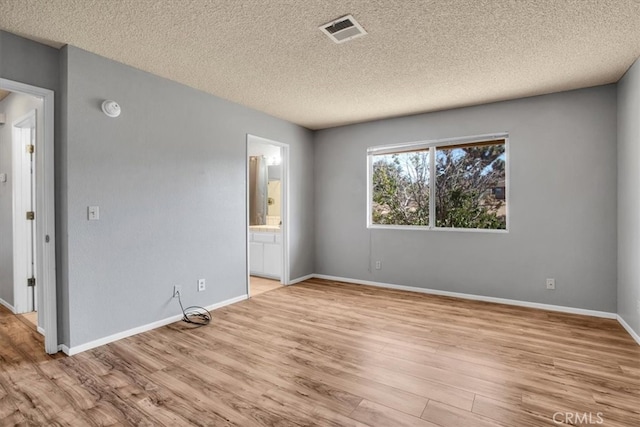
{"x": 111, "y": 108}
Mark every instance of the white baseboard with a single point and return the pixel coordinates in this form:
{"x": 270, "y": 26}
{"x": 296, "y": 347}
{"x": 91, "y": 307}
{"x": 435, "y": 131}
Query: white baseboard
{"x": 70, "y": 351}
{"x": 9, "y": 306}
{"x": 40, "y": 330}
{"x": 301, "y": 279}
{"x": 629, "y": 329}
{"x": 559, "y": 308}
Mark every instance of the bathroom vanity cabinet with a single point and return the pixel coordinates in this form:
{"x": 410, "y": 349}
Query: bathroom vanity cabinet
{"x": 265, "y": 254}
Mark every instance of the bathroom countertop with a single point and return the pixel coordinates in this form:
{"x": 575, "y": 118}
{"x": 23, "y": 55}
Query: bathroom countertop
{"x": 265, "y": 228}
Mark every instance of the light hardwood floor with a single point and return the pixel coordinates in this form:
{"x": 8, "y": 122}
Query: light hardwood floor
{"x": 331, "y": 354}
{"x": 30, "y": 319}
{"x": 260, "y": 285}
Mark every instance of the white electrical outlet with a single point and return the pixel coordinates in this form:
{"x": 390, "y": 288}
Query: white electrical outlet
{"x": 177, "y": 289}
{"x": 378, "y": 265}
{"x": 201, "y": 285}
{"x": 551, "y": 283}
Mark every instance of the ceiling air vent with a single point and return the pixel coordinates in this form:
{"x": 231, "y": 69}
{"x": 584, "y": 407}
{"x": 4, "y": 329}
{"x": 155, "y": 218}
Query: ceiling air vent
{"x": 343, "y": 29}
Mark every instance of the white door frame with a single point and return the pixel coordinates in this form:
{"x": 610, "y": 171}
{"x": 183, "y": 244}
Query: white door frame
{"x": 45, "y": 241}
{"x": 22, "y": 202}
{"x": 284, "y": 182}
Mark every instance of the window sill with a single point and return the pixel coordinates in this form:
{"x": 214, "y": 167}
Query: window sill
{"x": 425, "y": 228}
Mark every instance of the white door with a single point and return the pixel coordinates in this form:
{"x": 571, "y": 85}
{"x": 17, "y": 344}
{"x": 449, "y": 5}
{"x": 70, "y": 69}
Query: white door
{"x": 24, "y": 142}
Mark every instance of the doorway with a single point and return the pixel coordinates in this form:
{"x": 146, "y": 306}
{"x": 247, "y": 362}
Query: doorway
{"x": 267, "y": 215}
{"x": 27, "y": 187}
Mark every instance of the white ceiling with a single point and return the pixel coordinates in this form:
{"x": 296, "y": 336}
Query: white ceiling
{"x": 418, "y": 56}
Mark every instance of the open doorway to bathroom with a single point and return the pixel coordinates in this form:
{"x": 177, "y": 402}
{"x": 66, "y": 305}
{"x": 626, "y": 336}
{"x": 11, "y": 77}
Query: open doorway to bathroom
{"x": 267, "y": 219}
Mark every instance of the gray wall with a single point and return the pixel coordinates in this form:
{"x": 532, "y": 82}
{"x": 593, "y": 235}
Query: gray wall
{"x": 562, "y": 204}
{"x": 32, "y": 63}
{"x": 629, "y": 197}
{"x": 13, "y": 106}
{"x": 169, "y": 176}
{"x": 25, "y": 61}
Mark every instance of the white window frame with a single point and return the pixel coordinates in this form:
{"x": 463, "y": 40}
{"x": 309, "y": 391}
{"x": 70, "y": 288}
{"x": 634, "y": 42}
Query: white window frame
{"x": 432, "y": 145}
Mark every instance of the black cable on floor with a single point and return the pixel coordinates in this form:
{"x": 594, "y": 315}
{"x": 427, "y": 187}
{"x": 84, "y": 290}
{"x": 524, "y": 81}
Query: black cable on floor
{"x": 195, "y": 315}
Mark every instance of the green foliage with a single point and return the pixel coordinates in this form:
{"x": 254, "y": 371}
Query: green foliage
{"x": 400, "y": 190}
{"x": 465, "y": 179}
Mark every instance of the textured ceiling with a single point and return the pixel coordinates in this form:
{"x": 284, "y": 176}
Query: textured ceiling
{"x": 419, "y": 55}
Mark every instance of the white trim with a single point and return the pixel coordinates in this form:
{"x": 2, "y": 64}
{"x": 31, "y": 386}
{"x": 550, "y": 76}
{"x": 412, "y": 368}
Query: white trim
{"x": 443, "y": 142}
{"x": 7, "y": 305}
{"x": 70, "y": 351}
{"x": 629, "y": 329}
{"x": 429, "y": 228}
{"x": 302, "y": 279}
{"x": 432, "y": 189}
{"x": 45, "y": 217}
{"x": 247, "y": 219}
{"x": 268, "y": 276}
{"x": 40, "y": 330}
{"x": 507, "y": 181}
{"x": 369, "y": 195}
{"x": 559, "y": 308}
{"x": 285, "y": 204}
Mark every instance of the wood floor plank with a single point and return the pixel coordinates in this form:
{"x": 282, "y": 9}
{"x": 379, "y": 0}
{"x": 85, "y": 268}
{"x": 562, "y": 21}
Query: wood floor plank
{"x": 449, "y": 416}
{"x": 260, "y": 285}
{"x": 306, "y": 409}
{"x": 333, "y": 354}
{"x": 542, "y": 404}
{"x": 407, "y": 383}
{"x": 375, "y": 391}
{"x": 508, "y": 414}
{"x": 313, "y": 366}
{"x": 8, "y": 407}
{"x": 202, "y": 400}
{"x": 74, "y": 418}
{"x": 79, "y": 397}
{"x": 34, "y": 395}
{"x": 461, "y": 381}
{"x": 278, "y": 373}
{"x": 378, "y": 415}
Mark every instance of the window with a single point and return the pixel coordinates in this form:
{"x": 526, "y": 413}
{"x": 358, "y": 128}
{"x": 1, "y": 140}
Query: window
{"x": 450, "y": 184}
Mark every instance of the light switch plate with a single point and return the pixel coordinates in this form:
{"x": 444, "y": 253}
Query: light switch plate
{"x": 93, "y": 213}
{"x": 3, "y": 177}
